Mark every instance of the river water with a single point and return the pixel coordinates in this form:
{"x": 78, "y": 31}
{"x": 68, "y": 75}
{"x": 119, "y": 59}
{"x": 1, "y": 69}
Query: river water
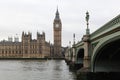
{"x": 35, "y": 70}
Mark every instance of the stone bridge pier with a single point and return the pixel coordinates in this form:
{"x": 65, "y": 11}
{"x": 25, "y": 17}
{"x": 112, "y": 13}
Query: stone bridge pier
{"x": 86, "y": 60}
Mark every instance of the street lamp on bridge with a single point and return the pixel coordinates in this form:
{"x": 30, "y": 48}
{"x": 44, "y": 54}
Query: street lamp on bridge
{"x": 87, "y": 20}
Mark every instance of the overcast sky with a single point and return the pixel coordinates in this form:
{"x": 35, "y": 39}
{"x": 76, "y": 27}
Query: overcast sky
{"x": 38, "y": 15}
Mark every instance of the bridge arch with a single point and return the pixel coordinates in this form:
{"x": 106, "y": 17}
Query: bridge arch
{"x": 80, "y": 56}
{"x": 106, "y": 57}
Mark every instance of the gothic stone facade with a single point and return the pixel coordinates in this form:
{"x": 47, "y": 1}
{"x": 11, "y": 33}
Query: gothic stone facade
{"x": 27, "y": 48}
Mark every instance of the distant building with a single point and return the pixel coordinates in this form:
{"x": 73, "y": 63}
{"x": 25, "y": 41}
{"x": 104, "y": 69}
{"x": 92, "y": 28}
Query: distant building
{"x": 27, "y": 48}
{"x": 10, "y": 39}
{"x": 34, "y": 48}
{"x": 16, "y": 39}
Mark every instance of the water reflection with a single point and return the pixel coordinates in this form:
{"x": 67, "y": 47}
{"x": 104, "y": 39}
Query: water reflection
{"x": 35, "y": 70}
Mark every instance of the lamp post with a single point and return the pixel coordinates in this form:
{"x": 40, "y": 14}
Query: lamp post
{"x": 87, "y": 20}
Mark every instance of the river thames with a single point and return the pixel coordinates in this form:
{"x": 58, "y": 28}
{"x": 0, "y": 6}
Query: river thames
{"x": 35, "y": 70}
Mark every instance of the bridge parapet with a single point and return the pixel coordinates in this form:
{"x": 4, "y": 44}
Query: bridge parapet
{"x": 114, "y": 23}
{"x": 79, "y": 44}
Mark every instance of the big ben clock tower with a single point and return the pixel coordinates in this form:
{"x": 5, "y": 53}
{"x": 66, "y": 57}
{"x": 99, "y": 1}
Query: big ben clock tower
{"x": 57, "y": 27}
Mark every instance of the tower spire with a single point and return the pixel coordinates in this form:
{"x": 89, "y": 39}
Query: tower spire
{"x": 57, "y": 14}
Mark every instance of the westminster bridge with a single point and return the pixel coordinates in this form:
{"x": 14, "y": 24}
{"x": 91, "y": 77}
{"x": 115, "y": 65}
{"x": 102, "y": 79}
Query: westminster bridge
{"x": 99, "y": 51}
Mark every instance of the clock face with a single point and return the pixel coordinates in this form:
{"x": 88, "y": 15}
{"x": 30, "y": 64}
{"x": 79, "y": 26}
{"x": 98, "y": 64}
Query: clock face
{"x": 57, "y": 25}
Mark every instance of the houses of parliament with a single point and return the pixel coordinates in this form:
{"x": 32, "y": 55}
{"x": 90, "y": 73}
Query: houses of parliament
{"x": 34, "y": 48}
